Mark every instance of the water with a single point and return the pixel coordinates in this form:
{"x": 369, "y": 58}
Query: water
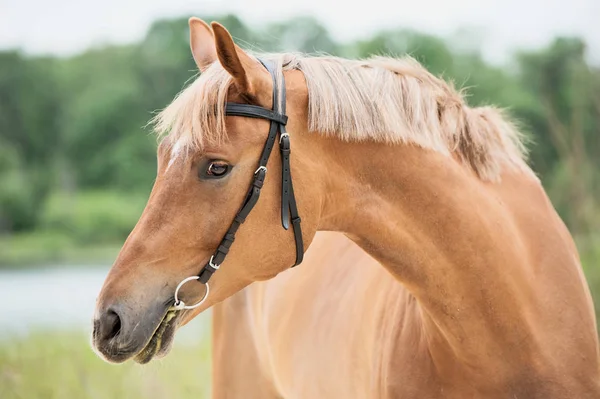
{"x": 60, "y": 298}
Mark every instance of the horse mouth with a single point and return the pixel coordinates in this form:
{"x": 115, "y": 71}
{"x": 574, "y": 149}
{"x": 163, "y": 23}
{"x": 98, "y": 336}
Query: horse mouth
{"x": 162, "y": 339}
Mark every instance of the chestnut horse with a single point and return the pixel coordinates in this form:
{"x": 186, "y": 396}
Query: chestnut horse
{"x": 469, "y": 286}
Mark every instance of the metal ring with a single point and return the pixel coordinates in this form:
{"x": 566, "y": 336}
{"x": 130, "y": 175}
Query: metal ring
{"x": 211, "y": 264}
{"x": 259, "y": 168}
{"x": 282, "y": 136}
{"x": 180, "y": 305}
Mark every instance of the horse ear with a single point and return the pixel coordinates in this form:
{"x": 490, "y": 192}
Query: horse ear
{"x": 245, "y": 70}
{"x": 202, "y": 43}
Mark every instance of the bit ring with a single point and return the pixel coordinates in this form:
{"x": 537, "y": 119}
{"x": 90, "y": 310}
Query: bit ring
{"x": 179, "y": 304}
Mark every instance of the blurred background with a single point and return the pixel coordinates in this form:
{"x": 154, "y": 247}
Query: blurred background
{"x": 80, "y": 80}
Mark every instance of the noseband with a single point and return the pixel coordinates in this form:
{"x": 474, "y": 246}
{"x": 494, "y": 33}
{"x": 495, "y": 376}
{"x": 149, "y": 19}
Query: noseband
{"x": 289, "y": 210}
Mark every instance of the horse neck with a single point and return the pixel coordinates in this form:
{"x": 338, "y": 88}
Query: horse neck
{"x": 434, "y": 226}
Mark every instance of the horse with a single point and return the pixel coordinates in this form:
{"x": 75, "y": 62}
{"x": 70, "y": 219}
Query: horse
{"x": 436, "y": 265}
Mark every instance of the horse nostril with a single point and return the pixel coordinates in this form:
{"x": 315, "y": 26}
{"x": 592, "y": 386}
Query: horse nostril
{"x": 110, "y": 325}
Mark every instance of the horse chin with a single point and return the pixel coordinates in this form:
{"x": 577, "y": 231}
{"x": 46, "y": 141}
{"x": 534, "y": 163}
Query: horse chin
{"x": 161, "y": 341}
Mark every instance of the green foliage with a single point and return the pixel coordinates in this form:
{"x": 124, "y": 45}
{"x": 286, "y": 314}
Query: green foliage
{"x": 28, "y": 137}
{"x": 46, "y": 248}
{"x": 429, "y": 50}
{"x": 17, "y": 208}
{"x": 36, "y": 247}
{"x": 303, "y": 34}
{"x": 86, "y": 227}
{"x": 60, "y": 365}
{"x": 104, "y": 113}
{"x": 93, "y": 216}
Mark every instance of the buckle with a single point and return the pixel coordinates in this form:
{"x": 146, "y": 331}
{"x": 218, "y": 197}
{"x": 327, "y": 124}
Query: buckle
{"x": 259, "y": 169}
{"x": 211, "y": 264}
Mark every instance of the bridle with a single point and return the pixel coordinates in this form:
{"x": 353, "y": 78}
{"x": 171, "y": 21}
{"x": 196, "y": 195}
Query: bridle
{"x": 289, "y": 209}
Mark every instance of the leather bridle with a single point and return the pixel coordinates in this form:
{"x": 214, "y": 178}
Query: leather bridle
{"x": 289, "y": 209}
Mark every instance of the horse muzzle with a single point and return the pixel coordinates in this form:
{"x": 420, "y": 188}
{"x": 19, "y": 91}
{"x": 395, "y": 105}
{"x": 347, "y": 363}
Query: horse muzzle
{"x": 121, "y": 332}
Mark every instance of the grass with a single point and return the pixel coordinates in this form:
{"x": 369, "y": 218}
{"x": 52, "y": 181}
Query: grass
{"x": 43, "y": 248}
{"x": 61, "y": 365}
{"x": 82, "y": 228}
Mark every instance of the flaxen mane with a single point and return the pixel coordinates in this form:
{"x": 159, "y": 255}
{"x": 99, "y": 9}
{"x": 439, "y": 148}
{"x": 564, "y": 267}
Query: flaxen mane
{"x": 382, "y": 99}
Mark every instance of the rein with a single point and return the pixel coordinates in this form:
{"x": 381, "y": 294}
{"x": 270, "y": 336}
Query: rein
{"x": 289, "y": 209}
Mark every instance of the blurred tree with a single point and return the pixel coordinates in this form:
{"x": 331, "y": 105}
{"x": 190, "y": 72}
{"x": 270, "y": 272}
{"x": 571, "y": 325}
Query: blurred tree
{"x": 566, "y": 119}
{"x": 304, "y": 34}
{"x": 103, "y": 106}
{"x": 431, "y": 51}
{"x": 162, "y": 63}
{"x": 29, "y": 135}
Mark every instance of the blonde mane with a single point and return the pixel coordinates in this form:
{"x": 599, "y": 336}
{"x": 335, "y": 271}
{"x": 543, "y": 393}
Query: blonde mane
{"x": 382, "y": 99}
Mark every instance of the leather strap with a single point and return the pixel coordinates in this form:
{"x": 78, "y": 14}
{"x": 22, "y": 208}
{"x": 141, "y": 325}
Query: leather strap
{"x": 288, "y": 200}
{"x": 223, "y": 248}
{"x": 284, "y": 148}
{"x": 289, "y": 208}
{"x": 254, "y": 111}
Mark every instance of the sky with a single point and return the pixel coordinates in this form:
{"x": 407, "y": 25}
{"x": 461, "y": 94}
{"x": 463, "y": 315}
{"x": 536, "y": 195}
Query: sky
{"x": 65, "y": 27}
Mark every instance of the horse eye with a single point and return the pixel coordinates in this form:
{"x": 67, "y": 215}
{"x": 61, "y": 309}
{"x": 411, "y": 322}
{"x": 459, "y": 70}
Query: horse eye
{"x": 217, "y": 169}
